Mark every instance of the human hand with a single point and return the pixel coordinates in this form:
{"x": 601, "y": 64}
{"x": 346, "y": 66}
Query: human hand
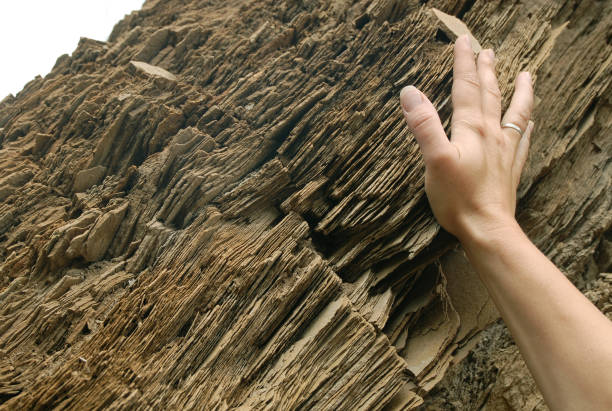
{"x": 471, "y": 179}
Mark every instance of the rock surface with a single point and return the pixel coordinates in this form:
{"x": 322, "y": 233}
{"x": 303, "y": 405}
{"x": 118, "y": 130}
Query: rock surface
{"x": 221, "y": 207}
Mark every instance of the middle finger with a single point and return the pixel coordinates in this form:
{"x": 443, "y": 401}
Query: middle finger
{"x": 489, "y": 89}
{"x": 466, "y": 84}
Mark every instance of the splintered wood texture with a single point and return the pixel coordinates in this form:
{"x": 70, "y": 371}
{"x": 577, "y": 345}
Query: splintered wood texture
{"x": 221, "y": 207}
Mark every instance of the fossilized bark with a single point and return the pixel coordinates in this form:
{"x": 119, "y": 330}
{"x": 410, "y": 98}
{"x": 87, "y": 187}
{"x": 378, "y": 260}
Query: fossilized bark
{"x": 221, "y": 206}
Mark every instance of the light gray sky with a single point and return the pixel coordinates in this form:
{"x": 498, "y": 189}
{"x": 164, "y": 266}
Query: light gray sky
{"x": 34, "y": 33}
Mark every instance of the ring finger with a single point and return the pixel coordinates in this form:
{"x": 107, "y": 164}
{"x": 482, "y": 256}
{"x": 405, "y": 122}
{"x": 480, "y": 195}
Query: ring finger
{"x": 519, "y": 111}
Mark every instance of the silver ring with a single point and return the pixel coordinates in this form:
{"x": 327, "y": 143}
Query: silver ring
{"x": 513, "y": 127}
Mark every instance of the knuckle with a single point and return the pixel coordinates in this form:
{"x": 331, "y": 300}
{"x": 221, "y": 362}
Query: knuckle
{"x": 524, "y": 116}
{"x": 473, "y": 123}
{"x": 494, "y": 92}
{"x": 485, "y": 59}
{"x": 420, "y": 119}
{"x": 471, "y": 79}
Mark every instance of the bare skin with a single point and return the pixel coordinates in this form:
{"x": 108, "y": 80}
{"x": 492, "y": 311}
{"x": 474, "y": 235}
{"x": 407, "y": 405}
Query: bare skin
{"x": 471, "y": 183}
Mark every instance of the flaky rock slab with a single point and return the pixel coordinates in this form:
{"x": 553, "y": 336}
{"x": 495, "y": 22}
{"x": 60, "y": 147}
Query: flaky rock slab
{"x": 221, "y": 206}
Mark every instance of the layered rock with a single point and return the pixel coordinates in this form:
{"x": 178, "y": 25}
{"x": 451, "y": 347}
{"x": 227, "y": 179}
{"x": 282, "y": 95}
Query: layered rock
{"x": 221, "y": 207}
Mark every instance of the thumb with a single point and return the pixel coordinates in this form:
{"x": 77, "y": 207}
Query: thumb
{"x": 423, "y": 120}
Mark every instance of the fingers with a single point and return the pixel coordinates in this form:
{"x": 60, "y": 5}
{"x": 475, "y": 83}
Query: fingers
{"x": 521, "y": 154}
{"x": 519, "y": 111}
{"x": 423, "y": 120}
{"x": 466, "y": 85}
{"x": 489, "y": 89}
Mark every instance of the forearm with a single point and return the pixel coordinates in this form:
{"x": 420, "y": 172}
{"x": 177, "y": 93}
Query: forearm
{"x": 565, "y": 340}
{"x": 471, "y": 183}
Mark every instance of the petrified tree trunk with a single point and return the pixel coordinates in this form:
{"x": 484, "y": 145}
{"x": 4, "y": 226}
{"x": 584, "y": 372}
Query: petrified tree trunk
{"x": 221, "y": 206}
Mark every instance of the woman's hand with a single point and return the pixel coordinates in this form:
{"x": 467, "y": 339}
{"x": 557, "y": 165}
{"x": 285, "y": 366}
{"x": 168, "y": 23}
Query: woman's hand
{"x": 471, "y": 180}
{"x": 471, "y": 184}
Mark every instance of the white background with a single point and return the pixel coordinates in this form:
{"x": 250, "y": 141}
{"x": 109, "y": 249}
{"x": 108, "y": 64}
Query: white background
{"x": 34, "y": 33}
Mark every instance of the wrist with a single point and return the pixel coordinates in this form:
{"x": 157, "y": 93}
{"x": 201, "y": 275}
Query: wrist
{"x": 490, "y": 235}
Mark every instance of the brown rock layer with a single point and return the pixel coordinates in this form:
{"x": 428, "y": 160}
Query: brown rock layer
{"x": 221, "y": 206}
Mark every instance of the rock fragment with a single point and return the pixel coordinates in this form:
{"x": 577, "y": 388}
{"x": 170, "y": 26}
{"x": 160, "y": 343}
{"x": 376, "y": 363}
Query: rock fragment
{"x": 153, "y": 71}
{"x": 88, "y": 178}
{"x": 102, "y": 233}
{"x": 453, "y": 27}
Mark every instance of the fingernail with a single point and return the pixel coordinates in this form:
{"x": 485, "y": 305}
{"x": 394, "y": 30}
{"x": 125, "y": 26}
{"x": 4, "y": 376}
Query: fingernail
{"x": 410, "y": 98}
{"x": 466, "y": 39}
{"x": 491, "y": 53}
{"x": 528, "y": 76}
